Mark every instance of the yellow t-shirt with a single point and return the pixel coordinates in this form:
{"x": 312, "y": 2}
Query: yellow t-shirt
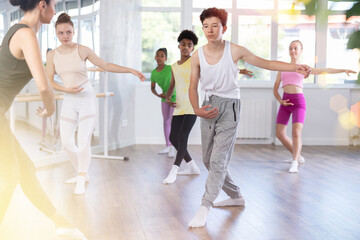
{"x": 182, "y": 83}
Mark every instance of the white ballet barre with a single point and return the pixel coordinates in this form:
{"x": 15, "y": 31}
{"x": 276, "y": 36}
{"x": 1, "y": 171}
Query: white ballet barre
{"x": 106, "y": 115}
{"x": 34, "y": 97}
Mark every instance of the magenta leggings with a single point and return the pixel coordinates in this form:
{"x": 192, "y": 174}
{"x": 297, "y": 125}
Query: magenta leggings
{"x": 167, "y": 112}
{"x": 298, "y": 110}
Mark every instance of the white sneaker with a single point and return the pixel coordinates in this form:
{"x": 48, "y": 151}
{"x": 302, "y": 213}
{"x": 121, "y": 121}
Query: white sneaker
{"x": 294, "y": 167}
{"x": 300, "y": 160}
{"x": 172, "y": 152}
{"x": 165, "y": 150}
{"x": 192, "y": 169}
{"x": 74, "y": 179}
{"x": 80, "y": 186}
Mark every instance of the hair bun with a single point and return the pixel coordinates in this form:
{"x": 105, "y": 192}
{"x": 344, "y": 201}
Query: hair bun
{"x": 64, "y": 17}
{"x": 15, "y": 2}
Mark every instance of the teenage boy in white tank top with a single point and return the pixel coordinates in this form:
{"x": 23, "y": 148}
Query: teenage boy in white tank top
{"x": 215, "y": 65}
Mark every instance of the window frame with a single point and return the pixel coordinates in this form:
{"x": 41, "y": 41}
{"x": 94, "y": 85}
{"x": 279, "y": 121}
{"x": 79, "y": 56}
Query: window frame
{"x": 321, "y": 25}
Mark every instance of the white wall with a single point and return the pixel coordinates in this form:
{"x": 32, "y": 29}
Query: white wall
{"x": 148, "y": 118}
{"x": 321, "y": 125}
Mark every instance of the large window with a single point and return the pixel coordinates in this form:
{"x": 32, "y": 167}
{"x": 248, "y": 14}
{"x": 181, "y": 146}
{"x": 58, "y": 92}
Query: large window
{"x": 161, "y": 24}
{"x": 159, "y": 30}
{"x": 259, "y": 4}
{"x": 212, "y": 3}
{"x": 265, "y": 27}
{"x": 254, "y": 33}
{"x": 297, "y": 27}
{"x": 161, "y": 3}
{"x": 337, "y": 55}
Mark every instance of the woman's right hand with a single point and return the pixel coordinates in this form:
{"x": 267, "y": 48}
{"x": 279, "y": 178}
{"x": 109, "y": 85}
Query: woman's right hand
{"x": 286, "y": 102}
{"x": 347, "y": 71}
{"x": 74, "y": 90}
{"x": 162, "y": 95}
{"x": 139, "y": 74}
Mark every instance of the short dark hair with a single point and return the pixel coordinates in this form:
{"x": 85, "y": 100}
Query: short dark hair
{"x": 214, "y": 12}
{"x": 27, "y": 5}
{"x": 188, "y": 34}
{"x": 164, "y": 50}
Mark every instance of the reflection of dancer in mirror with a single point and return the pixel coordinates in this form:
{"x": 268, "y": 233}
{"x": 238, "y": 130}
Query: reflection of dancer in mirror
{"x": 293, "y": 103}
{"x": 19, "y": 62}
{"x": 78, "y": 108}
{"x": 215, "y": 66}
{"x": 161, "y": 75}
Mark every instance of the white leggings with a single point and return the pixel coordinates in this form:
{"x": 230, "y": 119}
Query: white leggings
{"x": 78, "y": 110}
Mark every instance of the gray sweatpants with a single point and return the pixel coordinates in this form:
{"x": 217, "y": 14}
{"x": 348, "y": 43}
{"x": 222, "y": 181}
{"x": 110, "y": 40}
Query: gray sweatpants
{"x": 218, "y": 137}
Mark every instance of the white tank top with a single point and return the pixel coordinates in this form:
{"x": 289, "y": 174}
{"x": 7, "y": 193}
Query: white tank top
{"x": 70, "y": 68}
{"x": 219, "y": 79}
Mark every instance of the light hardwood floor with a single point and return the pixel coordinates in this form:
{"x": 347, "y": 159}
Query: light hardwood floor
{"x": 126, "y": 200}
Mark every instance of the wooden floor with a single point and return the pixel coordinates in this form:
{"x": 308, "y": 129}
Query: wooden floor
{"x": 127, "y": 200}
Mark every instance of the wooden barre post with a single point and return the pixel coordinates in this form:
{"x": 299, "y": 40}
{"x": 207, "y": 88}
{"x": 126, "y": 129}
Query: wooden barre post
{"x": 34, "y": 97}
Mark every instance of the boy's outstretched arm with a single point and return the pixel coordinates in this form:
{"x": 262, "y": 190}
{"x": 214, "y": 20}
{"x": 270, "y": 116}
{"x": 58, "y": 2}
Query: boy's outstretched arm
{"x": 239, "y": 52}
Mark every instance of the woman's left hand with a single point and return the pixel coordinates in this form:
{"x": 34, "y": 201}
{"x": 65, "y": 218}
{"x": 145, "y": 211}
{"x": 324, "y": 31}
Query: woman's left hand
{"x": 138, "y": 74}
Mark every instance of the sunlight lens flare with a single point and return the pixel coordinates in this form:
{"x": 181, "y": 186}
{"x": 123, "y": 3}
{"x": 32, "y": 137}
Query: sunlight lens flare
{"x": 346, "y": 119}
{"x": 338, "y": 103}
{"x": 355, "y": 109}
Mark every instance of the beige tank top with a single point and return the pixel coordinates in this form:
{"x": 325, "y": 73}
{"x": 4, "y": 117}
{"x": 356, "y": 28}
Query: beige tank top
{"x": 70, "y": 68}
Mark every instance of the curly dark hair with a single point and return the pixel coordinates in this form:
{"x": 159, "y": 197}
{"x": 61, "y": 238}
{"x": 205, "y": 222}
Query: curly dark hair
{"x": 214, "y": 12}
{"x": 188, "y": 34}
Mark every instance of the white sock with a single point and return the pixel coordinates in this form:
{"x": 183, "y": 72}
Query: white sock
{"x": 74, "y": 179}
{"x": 300, "y": 160}
{"x": 171, "y": 178}
{"x": 192, "y": 169}
{"x": 72, "y": 233}
{"x": 80, "y": 185}
{"x": 165, "y": 150}
{"x": 294, "y": 167}
{"x": 172, "y": 152}
{"x": 199, "y": 220}
{"x": 230, "y": 202}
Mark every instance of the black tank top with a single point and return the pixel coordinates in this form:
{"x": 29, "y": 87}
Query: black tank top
{"x": 14, "y": 73}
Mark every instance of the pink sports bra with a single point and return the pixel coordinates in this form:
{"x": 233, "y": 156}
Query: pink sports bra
{"x": 292, "y": 78}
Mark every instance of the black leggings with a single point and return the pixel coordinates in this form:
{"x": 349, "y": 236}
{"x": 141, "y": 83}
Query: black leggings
{"x": 181, "y": 126}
